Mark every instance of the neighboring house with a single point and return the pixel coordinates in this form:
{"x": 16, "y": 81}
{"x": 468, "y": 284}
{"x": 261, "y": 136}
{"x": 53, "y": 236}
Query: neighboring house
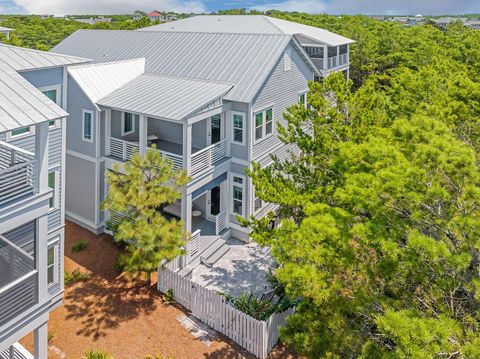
{"x": 210, "y": 98}
{"x": 32, "y": 167}
{"x": 443, "y": 22}
{"x": 473, "y": 24}
{"x": 137, "y": 15}
{"x": 156, "y": 16}
{"x": 94, "y": 21}
{"x": 6, "y": 31}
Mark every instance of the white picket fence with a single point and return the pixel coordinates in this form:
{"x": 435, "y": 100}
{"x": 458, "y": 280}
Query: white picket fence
{"x": 256, "y": 336}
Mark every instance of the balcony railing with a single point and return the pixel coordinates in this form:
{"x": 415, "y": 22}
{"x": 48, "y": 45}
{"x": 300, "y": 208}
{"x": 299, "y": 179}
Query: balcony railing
{"x": 336, "y": 61}
{"x": 18, "y": 173}
{"x": 206, "y": 158}
{"x": 18, "y": 281}
{"x": 220, "y": 222}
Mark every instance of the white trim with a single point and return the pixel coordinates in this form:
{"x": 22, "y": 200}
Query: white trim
{"x": 123, "y": 123}
{"x": 84, "y": 221}
{"x": 9, "y": 137}
{"x": 287, "y": 59}
{"x": 263, "y": 110}
{"x": 244, "y": 190}
{"x": 244, "y": 125}
{"x": 84, "y": 111}
{"x": 85, "y": 157}
{"x": 57, "y": 87}
{"x": 56, "y": 192}
{"x": 55, "y": 244}
{"x": 304, "y": 92}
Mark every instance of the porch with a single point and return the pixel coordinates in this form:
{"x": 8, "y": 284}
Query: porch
{"x": 16, "y": 351}
{"x": 328, "y": 57}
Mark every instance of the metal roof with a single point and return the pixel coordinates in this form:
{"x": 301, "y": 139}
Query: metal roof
{"x": 249, "y": 24}
{"x": 21, "y": 104}
{"x": 165, "y": 97}
{"x": 244, "y": 60}
{"x": 99, "y": 80}
{"x": 22, "y": 59}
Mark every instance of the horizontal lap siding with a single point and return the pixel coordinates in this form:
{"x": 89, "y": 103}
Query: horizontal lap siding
{"x": 281, "y": 90}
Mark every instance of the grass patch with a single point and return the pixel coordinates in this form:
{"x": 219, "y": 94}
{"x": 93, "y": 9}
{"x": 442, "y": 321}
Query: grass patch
{"x": 96, "y": 354}
{"x": 76, "y": 276}
{"x": 79, "y": 246}
{"x": 169, "y": 296}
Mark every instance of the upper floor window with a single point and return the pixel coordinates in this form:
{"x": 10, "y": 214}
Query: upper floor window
{"x": 53, "y": 93}
{"x": 238, "y": 195}
{"x": 303, "y": 99}
{"x": 238, "y": 128}
{"x": 52, "y": 263}
{"x": 263, "y": 123}
{"x": 128, "y": 123}
{"x": 53, "y": 184}
{"x": 87, "y": 125}
{"x": 20, "y": 132}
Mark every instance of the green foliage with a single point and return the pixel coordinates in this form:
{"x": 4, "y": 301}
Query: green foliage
{"x": 51, "y": 335}
{"x": 79, "y": 246}
{"x": 96, "y": 354}
{"x": 169, "y": 296}
{"x": 380, "y": 225}
{"x": 159, "y": 356}
{"x": 119, "y": 264}
{"x": 146, "y": 184}
{"x": 76, "y": 276}
{"x": 258, "y": 308}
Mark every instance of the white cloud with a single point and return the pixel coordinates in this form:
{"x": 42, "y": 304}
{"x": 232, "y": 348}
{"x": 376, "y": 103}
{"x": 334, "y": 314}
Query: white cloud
{"x": 63, "y": 7}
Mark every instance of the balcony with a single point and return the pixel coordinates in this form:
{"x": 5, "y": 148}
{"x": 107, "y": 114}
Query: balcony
{"x": 18, "y": 173}
{"x": 18, "y": 281}
{"x": 337, "y": 61}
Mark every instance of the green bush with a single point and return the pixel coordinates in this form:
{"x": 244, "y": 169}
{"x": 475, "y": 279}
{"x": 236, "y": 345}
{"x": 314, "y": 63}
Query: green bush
{"x": 169, "y": 296}
{"x": 96, "y": 354}
{"x": 79, "y": 246}
{"x": 76, "y": 276}
{"x": 118, "y": 264}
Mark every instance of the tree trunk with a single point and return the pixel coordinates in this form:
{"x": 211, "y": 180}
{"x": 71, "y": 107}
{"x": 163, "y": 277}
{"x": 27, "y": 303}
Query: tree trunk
{"x": 149, "y": 279}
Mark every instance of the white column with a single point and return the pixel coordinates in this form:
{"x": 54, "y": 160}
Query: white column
{"x": 108, "y": 130}
{"x": 187, "y": 147}
{"x": 143, "y": 134}
{"x": 41, "y": 155}
{"x": 40, "y": 338}
{"x": 348, "y": 53}
{"x": 338, "y": 55}
{"x": 187, "y": 210}
{"x": 325, "y": 57}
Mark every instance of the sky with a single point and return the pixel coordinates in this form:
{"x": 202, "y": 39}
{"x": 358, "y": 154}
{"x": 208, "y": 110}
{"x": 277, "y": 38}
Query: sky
{"x": 377, "y": 7}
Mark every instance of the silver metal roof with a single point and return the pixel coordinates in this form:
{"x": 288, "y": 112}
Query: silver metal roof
{"x": 244, "y": 60}
{"x": 165, "y": 97}
{"x": 101, "y": 79}
{"x": 21, "y": 104}
{"x": 22, "y": 59}
{"x": 249, "y": 24}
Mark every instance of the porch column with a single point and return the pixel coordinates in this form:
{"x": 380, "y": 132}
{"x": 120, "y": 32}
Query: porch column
{"x": 348, "y": 54}
{"x": 108, "y": 130}
{"x": 143, "y": 134}
{"x": 40, "y": 339}
{"x": 325, "y": 57}
{"x": 187, "y": 147}
{"x": 338, "y": 55}
{"x": 41, "y": 155}
{"x": 187, "y": 210}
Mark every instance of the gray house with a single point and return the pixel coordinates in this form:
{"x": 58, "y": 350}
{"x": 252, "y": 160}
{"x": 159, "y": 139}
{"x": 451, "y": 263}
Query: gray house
{"x": 208, "y": 91}
{"x": 32, "y": 166}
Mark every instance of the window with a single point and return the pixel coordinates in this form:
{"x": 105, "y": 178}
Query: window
{"x": 287, "y": 59}
{"x": 258, "y": 203}
{"x": 20, "y": 131}
{"x": 237, "y": 191}
{"x": 238, "y": 128}
{"x": 52, "y": 92}
{"x": 303, "y": 99}
{"x": 263, "y": 123}
{"x": 52, "y": 183}
{"x": 128, "y": 123}
{"x": 52, "y": 264}
{"x": 87, "y": 125}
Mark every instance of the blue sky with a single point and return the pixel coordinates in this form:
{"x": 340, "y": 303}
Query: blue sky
{"x": 389, "y": 7}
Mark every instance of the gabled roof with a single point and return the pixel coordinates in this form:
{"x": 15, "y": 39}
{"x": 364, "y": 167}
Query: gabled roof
{"x": 22, "y": 59}
{"x": 249, "y": 24}
{"x": 100, "y": 79}
{"x": 154, "y": 13}
{"x": 166, "y": 97}
{"x": 244, "y": 60}
{"x": 21, "y": 104}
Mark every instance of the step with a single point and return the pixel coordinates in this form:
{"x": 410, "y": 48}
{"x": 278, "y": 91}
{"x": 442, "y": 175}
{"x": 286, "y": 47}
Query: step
{"x": 219, "y": 253}
{"x": 208, "y": 251}
{"x": 185, "y": 271}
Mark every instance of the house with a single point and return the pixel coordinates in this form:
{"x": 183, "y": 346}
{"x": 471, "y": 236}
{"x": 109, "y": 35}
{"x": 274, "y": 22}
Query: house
{"x": 94, "y": 21}
{"x": 210, "y": 99}
{"x": 473, "y": 24}
{"x": 6, "y": 31}
{"x": 156, "y": 16}
{"x": 32, "y": 168}
{"x": 443, "y": 22}
{"x": 137, "y": 15}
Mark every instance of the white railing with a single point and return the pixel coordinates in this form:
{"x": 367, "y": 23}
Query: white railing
{"x": 18, "y": 296}
{"x": 18, "y": 173}
{"x": 16, "y": 351}
{"x": 192, "y": 247}
{"x": 206, "y": 158}
{"x": 122, "y": 149}
{"x": 177, "y": 160}
{"x": 336, "y": 61}
{"x": 220, "y": 222}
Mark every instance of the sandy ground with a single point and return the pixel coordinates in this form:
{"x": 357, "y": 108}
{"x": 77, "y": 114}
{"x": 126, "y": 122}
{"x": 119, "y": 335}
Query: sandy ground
{"x": 120, "y": 315}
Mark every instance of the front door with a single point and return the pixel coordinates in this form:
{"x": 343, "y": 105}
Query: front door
{"x": 214, "y": 202}
{"x": 215, "y": 130}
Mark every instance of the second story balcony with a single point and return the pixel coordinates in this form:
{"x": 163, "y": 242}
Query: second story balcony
{"x": 336, "y": 56}
{"x": 18, "y": 173}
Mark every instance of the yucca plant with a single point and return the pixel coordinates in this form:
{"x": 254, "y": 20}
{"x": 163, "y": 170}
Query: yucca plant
{"x": 96, "y": 354}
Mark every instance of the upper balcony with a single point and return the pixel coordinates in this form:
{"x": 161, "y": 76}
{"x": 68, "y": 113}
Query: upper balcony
{"x": 337, "y": 56}
{"x": 18, "y": 173}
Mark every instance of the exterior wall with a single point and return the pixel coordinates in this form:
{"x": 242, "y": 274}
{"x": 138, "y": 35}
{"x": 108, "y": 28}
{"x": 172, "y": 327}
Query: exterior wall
{"x": 237, "y": 150}
{"x": 45, "y": 77}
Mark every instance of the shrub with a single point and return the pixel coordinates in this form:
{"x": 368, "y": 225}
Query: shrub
{"x": 51, "y": 335}
{"x": 96, "y": 354}
{"x": 76, "y": 276}
{"x": 118, "y": 264}
{"x": 79, "y": 246}
{"x": 169, "y": 296}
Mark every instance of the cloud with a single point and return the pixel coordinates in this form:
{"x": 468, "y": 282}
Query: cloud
{"x": 63, "y": 7}
{"x": 427, "y": 7}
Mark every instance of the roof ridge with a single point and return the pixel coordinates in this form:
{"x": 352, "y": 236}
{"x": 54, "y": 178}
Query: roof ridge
{"x": 197, "y": 79}
{"x": 105, "y": 63}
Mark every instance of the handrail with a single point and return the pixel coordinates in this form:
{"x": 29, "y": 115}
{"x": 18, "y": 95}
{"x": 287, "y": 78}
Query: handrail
{"x": 17, "y": 166}
{"x": 18, "y": 281}
{"x": 15, "y": 148}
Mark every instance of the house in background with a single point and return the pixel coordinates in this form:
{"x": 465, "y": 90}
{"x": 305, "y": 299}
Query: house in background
{"x": 137, "y": 15}
{"x": 6, "y": 31}
{"x": 156, "y": 16}
{"x": 32, "y": 168}
{"x": 94, "y": 21}
{"x": 473, "y": 24}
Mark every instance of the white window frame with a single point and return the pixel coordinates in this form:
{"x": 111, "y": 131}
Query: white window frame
{"x": 244, "y": 197}
{"x": 10, "y": 137}
{"x": 305, "y": 92}
{"x": 56, "y": 87}
{"x": 264, "y": 124}
{"x": 244, "y": 132}
{"x": 55, "y": 243}
{"x": 257, "y": 210}
{"x": 56, "y": 190}
{"x": 123, "y": 123}
{"x": 84, "y": 111}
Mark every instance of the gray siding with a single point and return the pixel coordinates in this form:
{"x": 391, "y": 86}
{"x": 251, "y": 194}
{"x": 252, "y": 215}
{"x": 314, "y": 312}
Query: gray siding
{"x": 80, "y": 188}
{"x": 281, "y": 90}
{"x": 77, "y": 101}
{"x": 24, "y": 237}
{"x": 102, "y": 190}
{"x": 237, "y": 150}
{"x": 45, "y": 77}
{"x": 199, "y": 134}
